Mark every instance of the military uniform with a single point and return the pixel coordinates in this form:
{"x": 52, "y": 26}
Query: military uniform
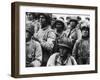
{"x": 57, "y": 40}
{"x": 46, "y": 36}
{"x": 59, "y": 34}
{"x": 55, "y": 60}
{"x": 33, "y": 54}
{"x": 81, "y": 50}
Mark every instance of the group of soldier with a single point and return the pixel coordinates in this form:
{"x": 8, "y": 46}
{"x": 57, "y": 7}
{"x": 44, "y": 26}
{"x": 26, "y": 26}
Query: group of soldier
{"x": 54, "y": 42}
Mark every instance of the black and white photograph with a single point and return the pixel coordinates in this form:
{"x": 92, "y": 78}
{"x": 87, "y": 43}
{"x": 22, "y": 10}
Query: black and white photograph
{"x": 57, "y": 39}
{"x": 53, "y": 39}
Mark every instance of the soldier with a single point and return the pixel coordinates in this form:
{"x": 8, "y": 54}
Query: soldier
{"x": 73, "y": 33}
{"x": 45, "y": 36}
{"x": 68, "y": 21}
{"x": 29, "y": 16}
{"x": 32, "y": 22}
{"x": 33, "y": 50}
{"x": 59, "y": 28}
{"x": 63, "y": 57}
{"x": 29, "y": 20}
{"x": 81, "y": 50}
{"x": 53, "y": 20}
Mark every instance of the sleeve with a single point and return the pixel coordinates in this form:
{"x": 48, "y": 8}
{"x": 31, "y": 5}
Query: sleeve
{"x": 38, "y": 55}
{"x": 36, "y": 36}
{"x": 51, "y": 60}
{"x": 49, "y": 43}
{"x": 37, "y": 26}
